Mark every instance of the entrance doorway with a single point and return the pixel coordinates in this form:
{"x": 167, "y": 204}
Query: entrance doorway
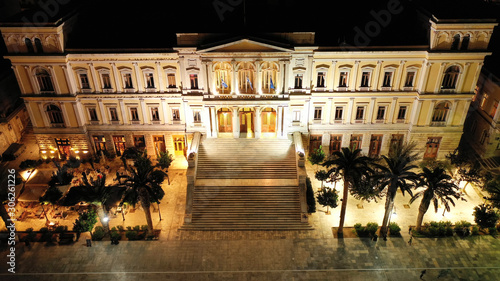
{"x": 100, "y": 144}
{"x": 247, "y": 123}
{"x": 179, "y": 145}
{"x": 119, "y": 142}
{"x": 159, "y": 142}
{"x": 268, "y": 120}
{"x": 225, "y": 117}
{"x": 64, "y": 147}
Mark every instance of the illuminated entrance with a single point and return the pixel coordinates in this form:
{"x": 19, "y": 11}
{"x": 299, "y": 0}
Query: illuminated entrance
{"x": 268, "y": 122}
{"x": 224, "y": 116}
{"x": 64, "y": 147}
{"x": 159, "y": 142}
{"x": 119, "y": 142}
{"x": 179, "y": 145}
{"x": 246, "y": 123}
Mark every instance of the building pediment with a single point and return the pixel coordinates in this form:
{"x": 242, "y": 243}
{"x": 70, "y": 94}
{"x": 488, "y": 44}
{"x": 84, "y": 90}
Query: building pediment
{"x": 244, "y": 45}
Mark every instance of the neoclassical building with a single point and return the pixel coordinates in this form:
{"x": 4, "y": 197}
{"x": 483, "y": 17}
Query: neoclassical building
{"x": 84, "y": 101}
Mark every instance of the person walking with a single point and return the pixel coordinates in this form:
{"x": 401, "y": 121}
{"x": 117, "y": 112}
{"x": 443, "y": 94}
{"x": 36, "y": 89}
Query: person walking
{"x": 410, "y": 241}
{"x": 409, "y": 231}
{"x": 422, "y": 274}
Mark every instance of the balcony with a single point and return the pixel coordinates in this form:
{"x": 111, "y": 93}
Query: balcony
{"x": 438, "y": 124}
{"x": 57, "y": 125}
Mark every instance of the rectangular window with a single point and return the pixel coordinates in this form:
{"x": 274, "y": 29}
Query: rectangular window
{"x": 106, "y": 81}
{"x": 431, "y": 148}
{"x": 335, "y": 143}
{"x": 494, "y": 109}
{"x": 85, "y": 81}
{"x": 317, "y": 113}
{"x": 381, "y": 113}
{"x": 298, "y": 80}
{"x": 150, "y": 82}
{"x": 483, "y": 101}
{"x": 343, "y": 79}
{"x": 402, "y": 113}
{"x": 321, "y": 80}
{"x": 171, "y": 80}
{"x": 193, "y": 78}
{"x": 134, "y": 115}
{"x": 355, "y": 142}
{"x": 113, "y": 114}
{"x": 410, "y": 77}
{"x": 139, "y": 142}
{"x": 315, "y": 142}
{"x": 365, "y": 79}
{"x": 360, "y": 113}
{"x": 296, "y": 116}
{"x": 396, "y": 141}
{"x": 339, "y": 112}
{"x": 197, "y": 116}
{"x": 176, "y": 115}
{"x": 128, "y": 81}
{"x": 387, "y": 79}
{"x": 375, "y": 145}
{"x": 155, "y": 115}
{"x": 93, "y": 114}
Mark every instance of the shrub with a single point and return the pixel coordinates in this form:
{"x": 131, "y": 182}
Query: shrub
{"x": 129, "y": 228}
{"x": 61, "y": 228}
{"x": 475, "y": 230}
{"x": 131, "y": 235}
{"x": 98, "y": 233}
{"x": 394, "y": 229}
{"x": 113, "y": 229}
{"x": 311, "y": 201}
{"x": 31, "y": 235}
{"x": 73, "y": 162}
{"x": 115, "y": 235}
{"x": 493, "y": 231}
{"x": 365, "y": 231}
{"x": 44, "y": 230}
{"x": 144, "y": 227}
{"x": 485, "y": 216}
{"x": 372, "y": 227}
{"x": 462, "y": 228}
{"x": 120, "y": 227}
{"x": 137, "y": 228}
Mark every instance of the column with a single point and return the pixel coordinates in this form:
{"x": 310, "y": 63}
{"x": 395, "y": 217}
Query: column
{"x": 160, "y": 76}
{"x": 65, "y": 114}
{"x": 78, "y": 118}
{"x": 397, "y": 80}
{"x": 137, "y": 71}
{"x": 94, "y": 77}
{"x": 476, "y": 77}
{"x": 370, "y": 111}
{"x": 285, "y": 122}
{"x": 451, "y": 113}
{"x": 350, "y": 105}
{"x": 328, "y": 111}
{"x": 422, "y": 74}
{"x": 117, "y": 78}
{"x": 34, "y": 84}
{"x": 466, "y": 109}
{"x": 333, "y": 71}
{"x": 234, "y": 86}
{"x": 392, "y": 110}
{"x": 46, "y": 122}
{"x": 79, "y": 112}
{"x": 259, "y": 78}
{"x": 415, "y": 110}
{"x": 30, "y": 113}
{"x": 308, "y": 74}
{"x": 437, "y": 87}
{"x": 19, "y": 81}
{"x": 376, "y": 76}
{"x": 71, "y": 87}
{"x": 103, "y": 112}
{"x": 286, "y": 75}
{"x": 462, "y": 77}
{"x": 166, "y": 118}
{"x": 182, "y": 74}
{"x": 279, "y": 83}
{"x": 258, "y": 122}
{"x": 54, "y": 79}
{"x": 124, "y": 112}
{"x": 215, "y": 122}
{"x": 354, "y": 76}
{"x": 144, "y": 112}
{"x": 236, "y": 123}
{"x": 429, "y": 114}
{"x": 279, "y": 116}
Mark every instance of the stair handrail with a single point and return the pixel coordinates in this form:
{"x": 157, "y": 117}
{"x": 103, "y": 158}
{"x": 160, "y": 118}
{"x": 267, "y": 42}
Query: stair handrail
{"x": 192, "y": 158}
{"x": 299, "y": 149}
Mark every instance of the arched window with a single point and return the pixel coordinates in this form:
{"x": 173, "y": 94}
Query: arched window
{"x": 441, "y": 112}
{"x": 465, "y": 42}
{"x": 29, "y": 45}
{"x": 44, "y": 80}
{"x": 222, "y": 72}
{"x": 450, "y": 77}
{"x": 269, "y": 70}
{"x": 38, "y": 44}
{"x": 246, "y": 77}
{"x": 55, "y": 115}
{"x": 456, "y": 42}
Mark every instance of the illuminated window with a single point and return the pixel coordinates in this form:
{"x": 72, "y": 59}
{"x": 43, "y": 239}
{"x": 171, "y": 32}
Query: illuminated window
{"x": 193, "y": 79}
{"x": 150, "y": 81}
{"x": 431, "y": 148}
{"x": 483, "y": 101}
{"x": 375, "y": 145}
{"x": 139, "y": 142}
{"x": 494, "y": 108}
{"x": 355, "y": 142}
{"x": 314, "y": 142}
{"x": 171, "y": 80}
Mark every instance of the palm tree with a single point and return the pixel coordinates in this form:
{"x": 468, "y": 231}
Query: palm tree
{"x": 95, "y": 192}
{"x": 439, "y": 188}
{"x": 143, "y": 184}
{"x": 350, "y": 165}
{"x": 395, "y": 172}
{"x": 493, "y": 188}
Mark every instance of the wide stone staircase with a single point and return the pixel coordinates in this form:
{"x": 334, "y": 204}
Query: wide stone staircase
{"x": 246, "y": 184}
